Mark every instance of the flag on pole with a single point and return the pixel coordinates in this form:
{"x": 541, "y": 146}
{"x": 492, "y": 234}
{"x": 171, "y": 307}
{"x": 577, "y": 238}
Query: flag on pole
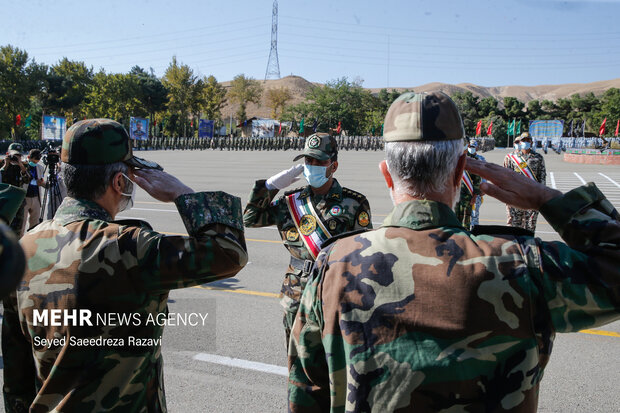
{"x": 570, "y": 134}
{"x": 479, "y": 128}
{"x": 280, "y": 129}
{"x": 518, "y": 131}
{"x": 339, "y": 128}
{"x": 28, "y": 120}
{"x": 18, "y": 120}
{"x": 301, "y": 126}
{"x": 490, "y": 129}
{"x": 617, "y": 127}
{"x": 601, "y": 130}
{"x": 382, "y": 129}
{"x": 511, "y": 128}
{"x": 583, "y": 128}
{"x": 315, "y": 124}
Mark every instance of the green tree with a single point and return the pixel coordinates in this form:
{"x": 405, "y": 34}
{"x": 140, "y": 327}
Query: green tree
{"x": 185, "y": 93}
{"x": 66, "y": 86}
{"x": 277, "y": 99}
{"x": 244, "y": 90}
{"x": 214, "y": 98}
{"x": 467, "y": 103}
{"x": 150, "y": 91}
{"x": 513, "y": 108}
{"x": 488, "y": 106}
{"x": 114, "y": 96}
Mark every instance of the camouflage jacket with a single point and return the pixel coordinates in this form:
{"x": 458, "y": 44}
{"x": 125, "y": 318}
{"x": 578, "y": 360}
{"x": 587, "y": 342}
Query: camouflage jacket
{"x": 422, "y": 314}
{"x": 341, "y": 209}
{"x": 534, "y": 160}
{"x": 81, "y": 260}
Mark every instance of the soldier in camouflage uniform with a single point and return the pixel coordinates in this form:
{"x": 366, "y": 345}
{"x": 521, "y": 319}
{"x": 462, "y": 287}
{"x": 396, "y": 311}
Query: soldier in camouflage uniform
{"x": 14, "y": 172}
{"x": 470, "y": 190}
{"x": 84, "y": 260}
{"x": 12, "y": 260}
{"x": 327, "y": 209}
{"x": 531, "y": 164}
{"x": 423, "y": 315}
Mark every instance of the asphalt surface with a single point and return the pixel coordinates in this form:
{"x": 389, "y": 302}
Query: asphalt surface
{"x": 237, "y": 362}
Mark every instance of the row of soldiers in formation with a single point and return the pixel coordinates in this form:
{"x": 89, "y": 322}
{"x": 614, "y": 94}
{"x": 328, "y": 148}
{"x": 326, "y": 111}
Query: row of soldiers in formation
{"x": 418, "y": 313}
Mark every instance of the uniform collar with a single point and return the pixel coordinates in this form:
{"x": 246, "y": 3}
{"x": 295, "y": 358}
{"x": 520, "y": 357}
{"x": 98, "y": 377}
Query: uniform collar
{"x": 72, "y": 210}
{"x": 421, "y": 214}
{"x": 334, "y": 193}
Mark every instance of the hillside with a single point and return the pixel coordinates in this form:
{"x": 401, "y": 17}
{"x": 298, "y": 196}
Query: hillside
{"x": 300, "y": 86}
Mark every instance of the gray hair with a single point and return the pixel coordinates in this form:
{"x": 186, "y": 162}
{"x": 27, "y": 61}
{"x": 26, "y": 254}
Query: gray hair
{"x": 90, "y": 181}
{"x": 419, "y": 168}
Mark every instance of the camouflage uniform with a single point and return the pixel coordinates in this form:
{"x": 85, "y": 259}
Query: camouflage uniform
{"x": 518, "y": 217}
{"x": 423, "y": 315}
{"x": 341, "y": 210}
{"x": 12, "y": 260}
{"x": 13, "y": 175}
{"x": 83, "y": 260}
{"x": 466, "y": 202}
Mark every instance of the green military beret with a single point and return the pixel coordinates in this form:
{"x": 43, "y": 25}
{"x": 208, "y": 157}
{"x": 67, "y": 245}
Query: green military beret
{"x": 423, "y": 117}
{"x": 320, "y": 146}
{"x": 11, "y": 198}
{"x": 100, "y": 142}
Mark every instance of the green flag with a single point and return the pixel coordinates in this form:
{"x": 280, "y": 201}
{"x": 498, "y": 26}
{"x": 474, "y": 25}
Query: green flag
{"x": 382, "y": 129}
{"x": 301, "y": 126}
{"x": 511, "y": 128}
{"x": 28, "y": 120}
{"x": 518, "y": 132}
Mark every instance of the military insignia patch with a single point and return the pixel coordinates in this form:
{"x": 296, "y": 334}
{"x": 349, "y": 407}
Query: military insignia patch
{"x": 292, "y": 235}
{"x": 332, "y": 224}
{"x": 307, "y": 224}
{"x": 363, "y": 219}
{"x": 314, "y": 142}
{"x": 335, "y": 211}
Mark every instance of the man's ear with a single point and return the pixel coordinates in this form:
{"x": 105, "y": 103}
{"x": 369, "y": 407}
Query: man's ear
{"x": 117, "y": 182}
{"x": 334, "y": 166}
{"x": 386, "y": 174}
{"x": 460, "y": 167}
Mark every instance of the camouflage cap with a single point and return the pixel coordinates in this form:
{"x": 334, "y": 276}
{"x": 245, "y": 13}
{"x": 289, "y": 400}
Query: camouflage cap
{"x": 423, "y": 117}
{"x": 11, "y": 198}
{"x": 100, "y": 142}
{"x": 15, "y": 149}
{"x": 320, "y": 146}
{"x": 523, "y": 136}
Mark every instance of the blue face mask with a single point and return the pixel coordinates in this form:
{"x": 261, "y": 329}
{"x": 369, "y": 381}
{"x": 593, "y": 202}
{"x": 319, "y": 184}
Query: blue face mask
{"x": 315, "y": 175}
{"x": 526, "y": 145}
{"x": 32, "y": 164}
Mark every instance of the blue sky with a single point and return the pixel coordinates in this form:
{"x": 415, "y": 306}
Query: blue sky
{"x": 385, "y": 43}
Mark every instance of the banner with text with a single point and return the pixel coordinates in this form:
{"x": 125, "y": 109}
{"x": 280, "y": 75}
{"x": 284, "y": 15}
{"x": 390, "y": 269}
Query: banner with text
{"x": 54, "y": 127}
{"x": 206, "y": 128}
{"x": 139, "y": 128}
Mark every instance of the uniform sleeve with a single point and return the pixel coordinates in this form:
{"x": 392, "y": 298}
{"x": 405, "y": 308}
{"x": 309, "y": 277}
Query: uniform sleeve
{"x": 363, "y": 218}
{"x": 507, "y": 162}
{"x": 543, "y": 171}
{"x": 215, "y": 248}
{"x": 19, "y": 371}
{"x": 309, "y": 383}
{"x": 580, "y": 280}
{"x": 259, "y": 212}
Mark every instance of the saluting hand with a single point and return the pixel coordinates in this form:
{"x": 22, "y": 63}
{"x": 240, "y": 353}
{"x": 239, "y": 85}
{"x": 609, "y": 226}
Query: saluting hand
{"x": 510, "y": 187}
{"x": 160, "y": 185}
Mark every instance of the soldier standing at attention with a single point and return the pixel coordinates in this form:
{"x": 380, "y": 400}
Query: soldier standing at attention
{"x": 532, "y": 165}
{"x": 14, "y": 172}
{"x": 470, "y": 190}
{"x": 423, "y": 315}
{"x": 83, "y": 260}
{"x": 306, "y": 217}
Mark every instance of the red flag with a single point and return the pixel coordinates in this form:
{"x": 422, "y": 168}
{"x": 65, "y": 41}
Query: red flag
{"x": 479, "y": 128}
{"x": 154, "y": 122}
{"x": 191, "y": 124}
{"x": 617, "y": 127}
{"x": 280, "y": 129}
{"x": 339, "y": 128}
{"x": 18, "y": 120}
{"x": 601, "y": 130}
{"x": 490, "y": 129}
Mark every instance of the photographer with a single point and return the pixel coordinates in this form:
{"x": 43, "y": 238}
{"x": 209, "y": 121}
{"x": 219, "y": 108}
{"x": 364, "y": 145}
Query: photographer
{"x": 14, "y": 172}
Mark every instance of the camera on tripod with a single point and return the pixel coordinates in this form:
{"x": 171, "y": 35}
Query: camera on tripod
{"x": 52, "y": 196}
{"x": 50, "y": 157}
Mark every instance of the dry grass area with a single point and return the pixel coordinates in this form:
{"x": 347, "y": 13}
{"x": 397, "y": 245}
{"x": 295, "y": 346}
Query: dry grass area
{"x": 299, "y": 87}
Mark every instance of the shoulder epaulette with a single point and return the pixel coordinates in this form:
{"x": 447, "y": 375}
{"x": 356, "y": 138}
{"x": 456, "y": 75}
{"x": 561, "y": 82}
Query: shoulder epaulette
{"x": 292, "y": 191}
{"x": 349, "y": 193}
{"x": 133, "y": 223}
{"x": 500, "y": 230}
{"x": 343, "y": 235}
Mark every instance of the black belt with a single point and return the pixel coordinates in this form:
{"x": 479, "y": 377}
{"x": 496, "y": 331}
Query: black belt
{"x": 304, "y": 265}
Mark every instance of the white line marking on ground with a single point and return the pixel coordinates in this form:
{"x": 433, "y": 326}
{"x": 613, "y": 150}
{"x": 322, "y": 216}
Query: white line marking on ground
{"x": 552, "y": 180}
{"x": 609, "y": 179}
{"x": 580, "y": 178}
{"x": 156, "y": 210}
{"x": 242, "y": 364}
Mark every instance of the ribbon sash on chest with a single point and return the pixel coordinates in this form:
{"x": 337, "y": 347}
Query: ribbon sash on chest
{"x": 308, "y": 223}
{"x": 468, "y": 182}
{"x": 522, "y": 165}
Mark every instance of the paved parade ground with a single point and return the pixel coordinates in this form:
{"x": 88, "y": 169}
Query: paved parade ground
{"x": 238, "y": 363}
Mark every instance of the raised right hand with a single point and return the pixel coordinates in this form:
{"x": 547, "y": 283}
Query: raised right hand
{"x": 160, "y": 185}
{"x": 283, "y": 179}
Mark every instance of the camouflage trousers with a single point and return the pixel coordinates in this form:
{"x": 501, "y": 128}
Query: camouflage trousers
{"x": 292, "y": 287}
{"x": 475, "y": 212}
{"x": 18, "y": 223}
{"x": 463, "y": 211}
{"x": 520, "y": 218}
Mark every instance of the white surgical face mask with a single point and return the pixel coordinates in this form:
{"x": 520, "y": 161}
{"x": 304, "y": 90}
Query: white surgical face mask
{"x": 127, "y": 202}
{"x": 315, "y": 175}
{"x": 526, "y": 145}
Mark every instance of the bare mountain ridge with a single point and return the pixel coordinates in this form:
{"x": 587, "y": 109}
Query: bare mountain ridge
{"x": 300, "y": 86}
